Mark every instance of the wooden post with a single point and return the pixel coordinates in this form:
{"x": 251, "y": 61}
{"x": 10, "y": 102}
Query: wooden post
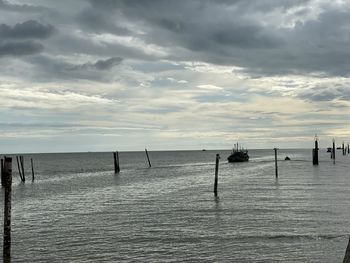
{"x": 7, "y": 209}
{"x": 347, "y": 254}
{"x": 118, "y": 165}
{"x": 115, "y": 162}
{"x": 348, "y": 148}
{"x": 333, "y": 151}
{"x": 2, "y": 172}
{"x": 149, "y": 162}
{"x": 216, "y": 175}
{"x": 22, "y": 165}
{"x": 31, "y": 161}
{"x": 19, "y": 168}
{"x": 315, "y": 153}
{"x": 276, "y": 167}
{"x": 343, "y": 148}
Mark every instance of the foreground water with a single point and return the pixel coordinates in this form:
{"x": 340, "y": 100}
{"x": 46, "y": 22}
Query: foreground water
{"x": 77, "y": 210}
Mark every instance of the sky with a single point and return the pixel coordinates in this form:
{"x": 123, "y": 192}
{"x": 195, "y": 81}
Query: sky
{"x": 103, "y": 75}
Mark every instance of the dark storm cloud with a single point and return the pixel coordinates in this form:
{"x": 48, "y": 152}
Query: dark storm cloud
{"x": 20, "y": 48}
{"x": 224, "y": 32}
{"x": 244, "y": 36}
{"x": 263, "y": 5}
{"x": 52, "y": 69}
{"x": 230, "y": 33}
{"x": 68, "y": 44}
{"x": 92, "y": 20}
{"x": 28, "y": 29}
{"x": 190, "y": 24}
{"x": 106, "y": 64}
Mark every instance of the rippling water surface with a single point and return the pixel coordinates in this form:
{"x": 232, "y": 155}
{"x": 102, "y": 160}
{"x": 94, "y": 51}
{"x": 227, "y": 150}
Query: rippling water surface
{"x": 77, "y": 210}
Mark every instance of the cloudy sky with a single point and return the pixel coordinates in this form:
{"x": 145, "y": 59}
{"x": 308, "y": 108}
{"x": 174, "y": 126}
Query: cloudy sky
{"x": 100, "y": 75}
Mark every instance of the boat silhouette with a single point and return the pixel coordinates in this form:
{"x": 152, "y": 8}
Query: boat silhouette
{"x": 238, "y": 155}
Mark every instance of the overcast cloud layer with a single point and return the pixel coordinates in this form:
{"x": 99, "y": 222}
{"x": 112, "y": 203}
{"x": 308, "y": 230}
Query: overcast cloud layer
{"x": 91, "y": 75}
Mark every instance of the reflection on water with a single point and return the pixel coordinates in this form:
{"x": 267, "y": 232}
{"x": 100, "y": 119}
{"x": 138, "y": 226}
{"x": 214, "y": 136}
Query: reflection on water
{"x": 77, "y": 210}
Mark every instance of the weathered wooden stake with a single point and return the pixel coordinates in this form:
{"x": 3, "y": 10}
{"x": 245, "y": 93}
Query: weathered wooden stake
{"x": 7, "y": 209}
{"x": 115, "y": 162}
{"x": 22, "y": 165}
{"x": 19, "y": 168}
{"x": 118, "y": 165}
{"x": 31, "y": 161}
{"x": 348, "y": 148}
{"x": 343, "y": 148}
{"x": 333, "y": 151}
{"x": 276, "y": 167}
{"x": 149, "y": 162}
{"x": 21, "y": 158}
{"x": 347, "y": 254}
{"x": 2, "y": 172}
{"x": 216, "y": 175}
{"x": 315, "y": 153}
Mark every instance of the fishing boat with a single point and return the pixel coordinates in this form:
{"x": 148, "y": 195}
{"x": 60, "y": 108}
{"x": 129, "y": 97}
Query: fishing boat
{"x": 238, "y": 155}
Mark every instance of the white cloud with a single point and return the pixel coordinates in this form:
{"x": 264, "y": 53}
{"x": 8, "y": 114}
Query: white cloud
{"x": 210, "y": 87}
{"x": 34, "y": 98}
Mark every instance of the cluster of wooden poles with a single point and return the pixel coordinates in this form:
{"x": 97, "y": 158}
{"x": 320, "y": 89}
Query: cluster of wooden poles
{"x": 20, "y": 165}
{"x": 314, "y": 162}
{"x": 117, "y": 164}
{"x": 345, "y": 150}
{"x": 6, "y": 182}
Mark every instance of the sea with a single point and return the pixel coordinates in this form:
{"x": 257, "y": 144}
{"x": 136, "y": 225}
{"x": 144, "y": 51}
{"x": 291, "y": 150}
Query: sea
{"x": 78, "y": 210}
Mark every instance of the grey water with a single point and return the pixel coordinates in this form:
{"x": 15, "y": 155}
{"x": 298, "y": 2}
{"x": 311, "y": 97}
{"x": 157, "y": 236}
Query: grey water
{"x": 78, "y": 210}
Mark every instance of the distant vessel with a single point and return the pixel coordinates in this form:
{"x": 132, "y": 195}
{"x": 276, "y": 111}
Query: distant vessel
{"x": 238, "y": 155}
{"x": 329, "y": 149}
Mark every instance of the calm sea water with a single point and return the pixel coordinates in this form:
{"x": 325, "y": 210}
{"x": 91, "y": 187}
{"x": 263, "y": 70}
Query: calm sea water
{"x": 77, "y": 210}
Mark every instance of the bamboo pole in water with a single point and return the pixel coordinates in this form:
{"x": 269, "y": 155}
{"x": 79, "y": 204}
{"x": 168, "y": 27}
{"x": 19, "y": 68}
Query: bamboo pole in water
{"x": 315, "y": 153}
{"x": 216, "y": 175}
{"x": 276, "y": 167}
{"x": 333, "y": 151}
{"x": 115, "y": 162}
{"x": 31, "y": 161}
{"x": 19, "y": 168}
{"x": 22, "y": 165}
{"x": 149, "y": 162}
{"x": 7, "y": 209}
{"x": 118, "y": 165}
